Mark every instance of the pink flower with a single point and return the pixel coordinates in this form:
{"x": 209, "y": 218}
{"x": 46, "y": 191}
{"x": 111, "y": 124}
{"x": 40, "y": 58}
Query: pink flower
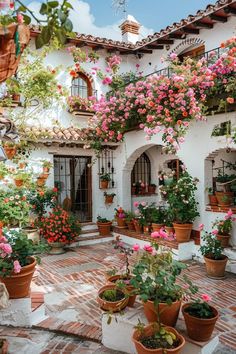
{"x": 214, "y": 232}
{"x": 173, "y": 56}
{"x": 148, "y": 248}
{"x": 136, "y": 204}
{"x": 206, "y": 297}
{"x": 136, "y": 247}
{"x": 200, "y": 227}
{"x": 6, "y": 248}
{"x": 163, "y": 234}
{"x": 155, "y": 234}
{"x": 230, "y": 100}
{"x": 143, "y": 204}
{"x": 17, "y": 267}
{"x": 230, "y": 213}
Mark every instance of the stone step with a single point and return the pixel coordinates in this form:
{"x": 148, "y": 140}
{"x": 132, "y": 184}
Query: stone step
{"x": 88, "y": 232}
{"x": 90, "y": 239}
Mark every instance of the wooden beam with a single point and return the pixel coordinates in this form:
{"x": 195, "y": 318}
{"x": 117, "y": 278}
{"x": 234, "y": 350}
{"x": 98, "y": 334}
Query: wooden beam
{"x": 230, "y": 10}
{"x": 154, "y": 46}
{"x": 191, "y": 30}
{"x": 177, "y": 35}
{"x": 203, "y": 24}
{"x": 218, "y": 18}
{"x": 146, "y": 51}
{"x": 165, "y": 41}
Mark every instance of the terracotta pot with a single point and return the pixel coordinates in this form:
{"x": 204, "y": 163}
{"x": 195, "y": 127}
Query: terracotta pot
{"x": 182, "y": 232}
{"x": 137, "y": 226}
{"x": 121, "y": 222}
{"x": 212, "y": 199}
{"x": 128, "y": 289}
{"x": 18, "y": 284}
{"x": 130, "y": 225}
{"x": 156, "y": 227}
{"x": 57, "y": 247}
{"x": 44, "y": 176}
{"x": 46, "y": 169}
{"x": 225, "y": 198}
{"x": 41, "y": 181}
{"x": 168, "y": 313}
{"x": 169, "y": 230}
{"x": 224, "y": 240}
{"x": 151, "y": 189}
{"x": 18, "y": 182}
{"x": 16, "y": 97}
{"x": 108, "y": 305}
{"x": 109, "y": 199}
{"x": 10, "y": 152}
{"x": 146, "y": 230}
{"x": 199, "y": 329}
{"x": 4, "y": 348}
{"x": 149, "y": 331}
{"x": 104, "y": 228}
{"x": 32, "y": 233}
{"x": 216, "y": 268}
{"x": 104, "y": 184}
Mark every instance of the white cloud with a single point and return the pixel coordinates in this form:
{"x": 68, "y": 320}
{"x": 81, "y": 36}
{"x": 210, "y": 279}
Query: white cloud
{"x": 84, "y": 22}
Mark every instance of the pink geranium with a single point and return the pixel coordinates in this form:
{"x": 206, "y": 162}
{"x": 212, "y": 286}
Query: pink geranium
{"x": 17, "y": 267}
{"x": 136, "y": 247}
{"x": 155, "y": 234}
{"x": 136, "y": 204}
{"x": 206, "y": 297}
{"x": 148, "y": 248}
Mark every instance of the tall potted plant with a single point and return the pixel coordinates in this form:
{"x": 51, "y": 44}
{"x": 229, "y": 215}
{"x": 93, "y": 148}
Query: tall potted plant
{"x": 182, "y": 201}
{"x": 17, "y": 264}
{"x": 215, "y": 260}
{"x": 224, "y": 227}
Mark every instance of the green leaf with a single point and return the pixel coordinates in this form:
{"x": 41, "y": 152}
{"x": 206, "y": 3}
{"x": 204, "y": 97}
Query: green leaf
{"x": 169, "y": 339}
{"x": 53, "y": 4}
{"x": 62, "y": 16}
{"x": 27, "y": 19}
{"x": 68, "y": 5}
{"x": 43, "y": 10}
{"x": 46, "y": 34}
{"x": 39, "y": 42}
{"x": 61, "y": 36}
{"x": 68, "y": 25}
{"x": 21, "y": 8}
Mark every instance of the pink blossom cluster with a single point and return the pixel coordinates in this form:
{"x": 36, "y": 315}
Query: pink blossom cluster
{"x": 6, "y": 251}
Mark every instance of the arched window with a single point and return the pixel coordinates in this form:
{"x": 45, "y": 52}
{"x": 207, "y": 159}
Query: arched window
{"x": 81, "y": 86}
{"x": 141, "y": 170}
{"x": 192, "y": 53}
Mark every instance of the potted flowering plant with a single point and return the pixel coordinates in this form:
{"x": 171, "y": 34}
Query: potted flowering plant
{"x": 182, "y": 201}
{"x": 158, "y": 217}
{"x": 109, "y": 197}
{"x": 10, "y": 149}
{"x": 120, "y": 217}
{"x": 215, "y": 260}
{"x": 157, "y": 278}
{"x": 104, "y": 226}
{"x": 41, "y": 199}
{"x": 59, "y": 228}
{"x": 200, "y": 318}
{"x": 224, "y": 227}
{"x": 14, "y": 208}
{"x": 145, "y": 215}
{"x": 104, "y": 180}
{"x": 77, "y": 103}
{"x": 17, "y": 264}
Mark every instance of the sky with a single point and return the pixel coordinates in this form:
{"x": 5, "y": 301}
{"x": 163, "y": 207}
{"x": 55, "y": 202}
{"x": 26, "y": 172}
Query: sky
{"x": 100, "y": 18}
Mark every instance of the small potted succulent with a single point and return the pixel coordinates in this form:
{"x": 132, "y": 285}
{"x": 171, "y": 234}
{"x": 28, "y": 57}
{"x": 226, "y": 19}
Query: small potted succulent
{"x": 200, "y": 318}
{"x": 109, "y": 197}
{"x": 111, "y": 298}
{"x": 120, "y": 217}
{"x": 104, "y": 226}
{"x": 224, "y": 227}
{"x": 212, "y": 251}
{"x": 105, "y": 178}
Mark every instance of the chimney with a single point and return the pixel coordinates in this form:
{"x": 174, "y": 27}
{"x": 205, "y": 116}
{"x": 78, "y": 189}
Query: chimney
{"x": 130, "y": 30}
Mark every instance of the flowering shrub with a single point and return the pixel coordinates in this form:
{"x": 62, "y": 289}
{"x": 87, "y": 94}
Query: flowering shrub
{"x": 200, "y": 308}
{"x": 15, "y": 249}
{"x": 59, "y": 226}
{"x": 225, "y": 225}
{"x": 212, "y": 247}
{"x": 119, "y": 213}
{"x": 144, "y": 212}
{"x": 41, "y": 199}
{"x": 14, "y": 208}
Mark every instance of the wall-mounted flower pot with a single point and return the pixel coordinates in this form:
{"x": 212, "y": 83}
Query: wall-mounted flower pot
{"x": 18, "y": 182}
{"x": 225, "y": 199}
{"x": 10, "y": 152}
{"x": 109, "y": 199}
{"x": 104, "y": 184}
{"x": 199, "y": 329}
{"x": 41, "y": 181}
{"x": 46, "y": 169}
{"x": 216, "y": 268}
{"x": 182, "y": 232}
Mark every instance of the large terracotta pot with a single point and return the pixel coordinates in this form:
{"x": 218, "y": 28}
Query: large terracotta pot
{"x": 104, "y": 228}
{"x": 104, "y": 184}
{"x": 216, "y": 268}
{"x": 149, "y": 331}
{"x": 182, "y": 232}
{"x": 168, "y": 313}
{"x": 224, "y": 240}
{"x": 157, "y": 227}
{"x": 138, "y": 227}
{"x": 199, "y": 329}
{"x": 57, "y": 247}
{"x": 128, "y": 289}
{"x": 130, "y": 225}
{"x": 18, "y": 284}
{"x": 121, "y": 222}
{"x": 225, "y": 199}
{"x": 212, "y": 199}
{"x": 108, "y": 305}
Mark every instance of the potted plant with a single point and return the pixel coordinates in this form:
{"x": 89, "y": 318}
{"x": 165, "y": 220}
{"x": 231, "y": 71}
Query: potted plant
{"x": 22, "y": 179}
{"x": 129, "y": 219}
{"x": 112, "y": 299}
{"x": 13, "y": 88}
{"x": 182, "y": 201}
{"x": 109, "y": 197}
{"x": 41, "y": 180}
{"x": 169, "y": 218}
{"x": 42, "y": 199}
{"x": 10, "y": 149}
{"x": 3, "y": 346}
{"x": 215, "y": 260}
{"x": 104, "y": 180}
{"x": 224, "y": 227}
{"x": 47, "y": 165}
{"x": 157, "y": 279}
{"x": 123, "y": 280}
{"x": 155, "y": 338}
{"x": 3, "y": 170}
{"x": 200, "y": 318}
{"x": 152, "y": 188}
{"x": 145, "y": 212}
{"x": 157, "y": 218}
{"x": 225, "y": 196}
{"x": 17, "y": 264}
{"x": 211, "y": 196}
{"x": 120, "y": 217}
{"x": 59, "y": 228}
{"x": 14, "y": 208}
{"x": 104, "y": 226}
